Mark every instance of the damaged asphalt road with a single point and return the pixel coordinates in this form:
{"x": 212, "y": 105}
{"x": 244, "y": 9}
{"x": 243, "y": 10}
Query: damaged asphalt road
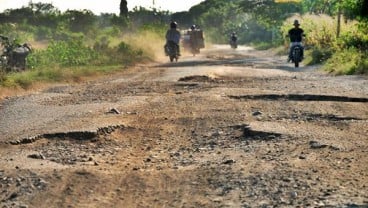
{"x": 227, "y": 128}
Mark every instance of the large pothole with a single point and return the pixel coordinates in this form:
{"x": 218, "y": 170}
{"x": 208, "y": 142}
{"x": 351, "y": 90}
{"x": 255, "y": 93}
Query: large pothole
{"x": 71, "y": 135}
{"x": 70, "y": 148}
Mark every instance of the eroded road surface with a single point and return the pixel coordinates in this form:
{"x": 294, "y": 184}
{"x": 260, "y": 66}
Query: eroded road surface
{"x": 227, "y": 128}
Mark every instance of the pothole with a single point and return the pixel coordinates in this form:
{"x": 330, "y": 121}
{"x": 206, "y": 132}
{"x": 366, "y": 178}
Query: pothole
{"x": 241, "y": 135}
{"x": 69, "y": 148}
{"x": 318, "y": 117}
{"x": 301, "y": 97}
{"x": 71, "y": 135}
{"x": 196, "y": 78}
{"x": 245, "y": 132}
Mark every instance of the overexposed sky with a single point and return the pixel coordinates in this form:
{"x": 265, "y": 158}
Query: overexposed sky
{"x": 104, "y": 6}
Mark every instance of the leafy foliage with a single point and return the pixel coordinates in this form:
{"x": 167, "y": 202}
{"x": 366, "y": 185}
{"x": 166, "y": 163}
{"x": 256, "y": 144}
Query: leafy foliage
{"x": 269, "y": 12}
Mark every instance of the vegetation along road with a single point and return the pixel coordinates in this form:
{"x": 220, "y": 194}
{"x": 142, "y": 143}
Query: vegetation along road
{"x": 92, "y": 114}
{"x": 226, "y": 128}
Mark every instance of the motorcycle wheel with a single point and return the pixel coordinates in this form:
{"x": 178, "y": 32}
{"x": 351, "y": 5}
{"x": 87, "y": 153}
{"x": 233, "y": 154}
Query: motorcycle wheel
{"x": 296, "y": 64}
{"x": 296, "y": 57}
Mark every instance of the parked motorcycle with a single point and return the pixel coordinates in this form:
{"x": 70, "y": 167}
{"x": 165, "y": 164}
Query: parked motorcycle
{"x": 172, "y": 50}
{"x": 13, "y": 56}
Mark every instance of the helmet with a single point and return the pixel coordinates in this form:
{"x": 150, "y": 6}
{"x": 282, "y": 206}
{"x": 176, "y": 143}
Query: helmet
{"x": 296, "y": 22}
{"x": 173, "y": 24}
{"x": 193, "y": 27}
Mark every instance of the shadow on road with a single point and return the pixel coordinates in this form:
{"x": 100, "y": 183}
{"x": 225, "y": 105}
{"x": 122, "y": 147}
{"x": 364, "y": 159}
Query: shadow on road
{"x": 302, "y": 97}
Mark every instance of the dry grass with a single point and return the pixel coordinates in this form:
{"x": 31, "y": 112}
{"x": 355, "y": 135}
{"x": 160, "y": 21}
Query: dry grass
{"x": 151, "y": 43}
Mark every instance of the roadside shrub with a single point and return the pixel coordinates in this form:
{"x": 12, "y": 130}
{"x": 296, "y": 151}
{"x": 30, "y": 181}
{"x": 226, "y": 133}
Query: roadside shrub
{"x": 348, "y": 61}
{"x": 354, "y": 38}
{"x": 317, "y": 55}
{"x": 43, "y": 33}
{"x": 125, "y": 54}
{"x": 64, "y": 53}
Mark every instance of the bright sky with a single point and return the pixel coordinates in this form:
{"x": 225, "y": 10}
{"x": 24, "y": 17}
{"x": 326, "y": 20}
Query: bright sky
{"x": 105, "y": 6}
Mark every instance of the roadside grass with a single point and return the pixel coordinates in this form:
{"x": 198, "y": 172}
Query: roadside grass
{"x": 347, "y": 62}
{"x": 28, "y": 78}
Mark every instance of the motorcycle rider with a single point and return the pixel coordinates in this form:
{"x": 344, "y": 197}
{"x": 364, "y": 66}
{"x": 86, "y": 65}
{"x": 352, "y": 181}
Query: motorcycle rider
{"x": 233, "y": 38}
{"x": 173, "y": 36}
{"x": 296, "y": 35}
{"x": 196, "y": 39}
{"x": 193, "y": 39}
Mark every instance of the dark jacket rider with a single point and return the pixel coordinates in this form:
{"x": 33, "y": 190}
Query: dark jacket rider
{"x": 233, "y": 37}
{"x": 296, "y": 36}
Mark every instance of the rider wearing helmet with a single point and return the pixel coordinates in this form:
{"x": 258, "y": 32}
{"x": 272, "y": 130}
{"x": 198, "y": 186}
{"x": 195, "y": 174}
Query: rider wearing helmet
{"x": 173, "y": 35}
{"x": 296, "y": 35}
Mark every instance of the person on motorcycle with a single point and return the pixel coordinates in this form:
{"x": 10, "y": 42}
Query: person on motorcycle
{"x": 233, "y": 37}
{"x": 196, "y": 39}
{"x": 233, "y": 40}
{"x": 173, "y": 36}
{"x": 296, "y": 35}
{"x": 192, "y": 37}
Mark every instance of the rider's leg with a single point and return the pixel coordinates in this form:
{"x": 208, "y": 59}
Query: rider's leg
{"x": 178, "y": 50}
{"x": 290, "y": 52}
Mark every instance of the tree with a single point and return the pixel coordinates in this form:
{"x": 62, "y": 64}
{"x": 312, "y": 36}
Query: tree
{"x": 123, "y": 8}
{"x": 270, "y": 13}
{"x": 80, "y": 20}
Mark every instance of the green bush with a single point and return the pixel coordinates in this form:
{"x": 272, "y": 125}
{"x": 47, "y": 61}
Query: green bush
{"x": 43, "y": 33}
{"x": 317, "y": 55}
{"x": 348, "y": 61}
{"x": 63, "y": 53}
{"x": 353, "y": 38}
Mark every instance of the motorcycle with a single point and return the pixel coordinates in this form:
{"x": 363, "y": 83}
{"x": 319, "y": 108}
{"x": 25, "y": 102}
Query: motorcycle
{"x": 13, "y": 56}
{"x": 233, "y": 44}
{"x": 172, "y": 50}
{"x": 297, "y": 55}
{"x": 195, "y": 50}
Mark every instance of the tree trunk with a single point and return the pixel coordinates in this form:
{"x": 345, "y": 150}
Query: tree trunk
{"x": 338, "y": 22}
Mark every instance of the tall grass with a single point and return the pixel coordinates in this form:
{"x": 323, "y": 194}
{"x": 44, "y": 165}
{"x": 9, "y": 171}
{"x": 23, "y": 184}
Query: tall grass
{"x": 348, "y": 61}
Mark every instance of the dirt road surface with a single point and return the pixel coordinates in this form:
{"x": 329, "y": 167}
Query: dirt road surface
{"x": 226, "y": 128}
